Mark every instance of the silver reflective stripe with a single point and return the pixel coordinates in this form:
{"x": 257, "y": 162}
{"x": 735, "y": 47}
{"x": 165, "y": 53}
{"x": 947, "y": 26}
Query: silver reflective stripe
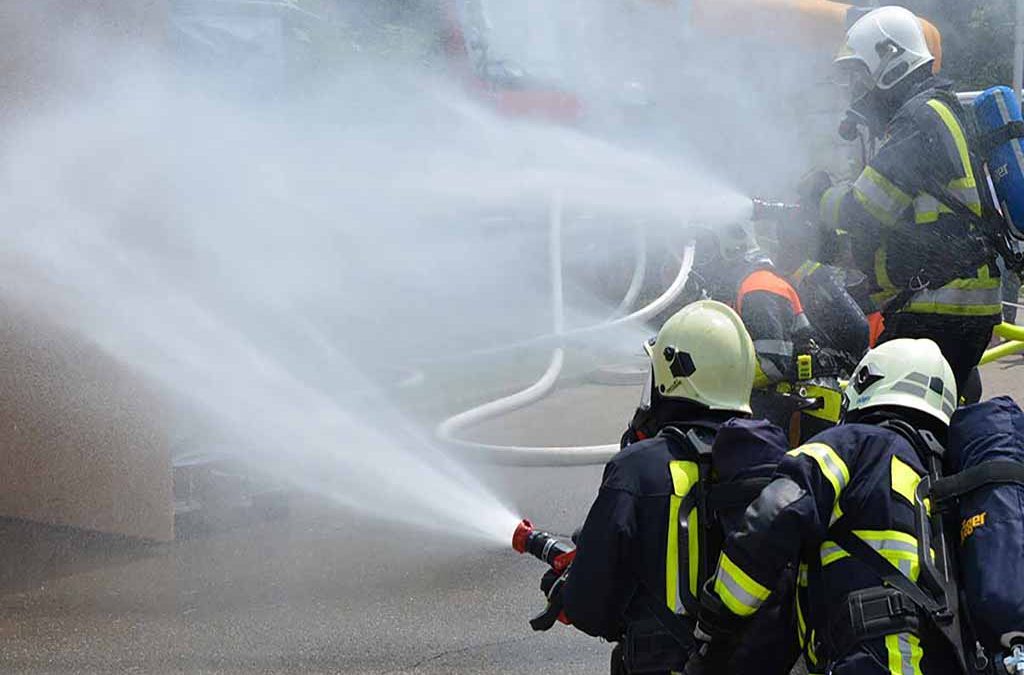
{"x": 920, "y": 378}
{"x": 890, "y": 545}
{"x": 836, "y": 471}
{"x": 910, "y": 388}
{"x": 829, "y": 549}
{"x": 800, "y": 322}
{"x": 750, "y": 601}
{"x": 879, "y": 196}
{"x": 906, "y": 654}
{"x": 966, "y": 195}
{"x": 961, "y": 297}
{"x": 949, "y": 398}
{"x": 830, "y": 203}
{"x": 770, "y": 369}
{"x": 774, "y": 347}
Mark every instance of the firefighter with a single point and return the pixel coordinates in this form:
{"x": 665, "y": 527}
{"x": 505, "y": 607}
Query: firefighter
{"x": 908, "y": 214}
{"x": 652, "y": 535}
{"x": 852, "y": 487}
{"x": 796, "y": 384}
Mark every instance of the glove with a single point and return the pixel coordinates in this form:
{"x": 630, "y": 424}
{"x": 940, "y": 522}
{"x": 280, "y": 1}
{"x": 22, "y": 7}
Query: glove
{"x": 811, "y": 188}
{"x": 715, "y": 635}
{"x": 551, "y": 584}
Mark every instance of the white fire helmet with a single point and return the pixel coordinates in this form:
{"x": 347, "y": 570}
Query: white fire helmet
{"x": 904, "y": 373}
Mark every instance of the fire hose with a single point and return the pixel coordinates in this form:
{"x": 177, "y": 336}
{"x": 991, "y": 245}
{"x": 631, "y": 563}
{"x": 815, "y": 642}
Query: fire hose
{"x": 554, "y": 455}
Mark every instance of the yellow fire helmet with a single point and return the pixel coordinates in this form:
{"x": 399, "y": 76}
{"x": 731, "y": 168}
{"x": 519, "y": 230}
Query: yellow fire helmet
{"x": 705, "y": 355}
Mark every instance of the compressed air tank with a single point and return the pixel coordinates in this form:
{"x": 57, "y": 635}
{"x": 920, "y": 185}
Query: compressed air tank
{"x": 991, "y": 519}
{"x": 993, "y": 109}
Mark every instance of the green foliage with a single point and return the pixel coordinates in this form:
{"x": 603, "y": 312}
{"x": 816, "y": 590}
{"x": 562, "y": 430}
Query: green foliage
{"x": 977, "y": 39}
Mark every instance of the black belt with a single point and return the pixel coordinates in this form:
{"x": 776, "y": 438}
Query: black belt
{"x": 869, "y": 614}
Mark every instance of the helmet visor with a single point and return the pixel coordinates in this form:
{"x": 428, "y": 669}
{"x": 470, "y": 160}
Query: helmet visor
{"x": 853, "y": 76}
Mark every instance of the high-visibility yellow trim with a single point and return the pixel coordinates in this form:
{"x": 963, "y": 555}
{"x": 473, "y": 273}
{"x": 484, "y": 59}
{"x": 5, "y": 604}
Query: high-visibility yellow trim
{"x": 831, "y": 200}
{"x": 837, "y": 513}
{"x": 898, "y": 548}
{"x": 761, "y": 379}
{"x": 805, "y": 270}
{"x": 831, "y": 464}
{"x": 880, "y": 197}
{"x": 693, "y": 560}
{"x": 904, "y": 654}
{"x": 904, "y": 479}
{"x": 684, "y": 477}
{"x": 882, "y": 266}
{"x": 969, "y": 296}
{"x": 740, "y": 593}
{"x": 960, "y": 140}
{"x": 831, "y": 402}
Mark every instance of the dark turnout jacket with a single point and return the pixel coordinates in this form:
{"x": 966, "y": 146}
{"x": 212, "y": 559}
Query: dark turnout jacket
{"x": 632, "y": 548}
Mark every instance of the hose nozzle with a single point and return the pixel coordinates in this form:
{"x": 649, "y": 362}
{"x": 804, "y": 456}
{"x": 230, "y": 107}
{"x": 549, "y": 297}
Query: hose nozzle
{"x": 545, "y": 547}
{"x": 768, "y": 210}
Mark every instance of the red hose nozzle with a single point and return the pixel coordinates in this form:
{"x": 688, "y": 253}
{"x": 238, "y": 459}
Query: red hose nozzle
{"x": 521, "y": 536}
{"x": 543, "y": 546}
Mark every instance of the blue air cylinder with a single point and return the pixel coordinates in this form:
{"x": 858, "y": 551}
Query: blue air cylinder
{"x": 993, "y": 109}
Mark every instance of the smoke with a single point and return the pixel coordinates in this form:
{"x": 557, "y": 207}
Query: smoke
{"x": 282, "y": 263}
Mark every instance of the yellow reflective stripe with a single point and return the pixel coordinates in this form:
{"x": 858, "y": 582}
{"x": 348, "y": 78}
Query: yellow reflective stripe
{"x": 804, "y": 271}
{"x": 904, "y": 479}
{"x": 927, "y": 209}
{"x": 831, "y": 200}
{"x": 761, "y": 379}
{"x": 672, "y": 555}
{"x": 970, "y": 297}
{"x": 837, "y": 513}
{"x": 881, "y": 267}
{"x": 880, "y": 197}
{"x": 958, "y": 138}
{"x": 899, "y": 548}
{"x": 904, "y": 654}
{"x": 693, "y": 559}
{"x": 741, "y": 594}
{"x": 684, "y": 477}
{"x": 965, "y": 189}
{"x": 831, "y": 464}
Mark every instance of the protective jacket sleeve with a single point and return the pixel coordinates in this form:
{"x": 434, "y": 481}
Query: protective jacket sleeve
{"x": 797, "y": 506}
{"x": 601, "y": 583}
{"x": 773, "y": 315}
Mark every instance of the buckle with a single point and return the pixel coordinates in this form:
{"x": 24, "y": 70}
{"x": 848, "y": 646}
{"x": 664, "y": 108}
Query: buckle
{"x": 916, "y": 283}
{"x": 899, "y": 605}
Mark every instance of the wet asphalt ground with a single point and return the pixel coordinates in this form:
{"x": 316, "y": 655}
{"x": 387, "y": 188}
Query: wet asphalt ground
{"x": 322, "y": 591}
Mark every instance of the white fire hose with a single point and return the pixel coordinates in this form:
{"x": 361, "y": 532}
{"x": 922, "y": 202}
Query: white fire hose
{"x": 518, "y": 455}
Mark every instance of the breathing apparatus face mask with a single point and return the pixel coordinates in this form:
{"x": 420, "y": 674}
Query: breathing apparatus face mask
{"x": 866, "y": 105}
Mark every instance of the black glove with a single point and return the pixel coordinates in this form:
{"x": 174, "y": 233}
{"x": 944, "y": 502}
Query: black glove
{"x": 550, "y": 580}
{"x": 715, "y": 636}
{"x": 811, "y": 188}
{"x": 551, "y": 584}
